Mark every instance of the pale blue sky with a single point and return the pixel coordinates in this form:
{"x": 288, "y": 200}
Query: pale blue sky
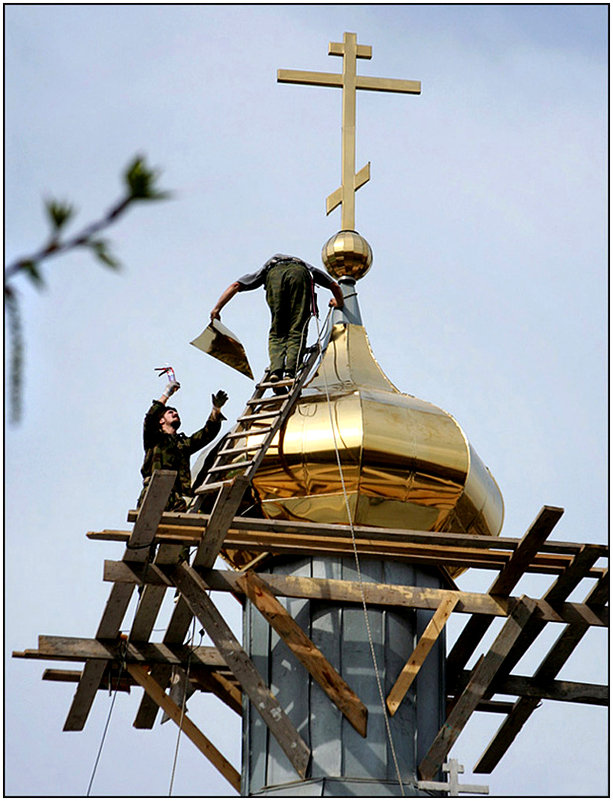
{"x": 487, "y": 215}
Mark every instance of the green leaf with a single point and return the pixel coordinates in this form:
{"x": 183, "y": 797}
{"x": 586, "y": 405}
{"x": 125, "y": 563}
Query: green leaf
{"x": 59, "y": 213}
{"x": 31, "y": 270}
{"x": 141, "y": 181}
{"x": 100, "y": 248}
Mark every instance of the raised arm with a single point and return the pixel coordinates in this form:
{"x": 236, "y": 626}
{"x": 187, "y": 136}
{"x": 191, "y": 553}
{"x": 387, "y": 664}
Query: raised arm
{"x": 338, "y": 301}
{"x": 226, "y": 296}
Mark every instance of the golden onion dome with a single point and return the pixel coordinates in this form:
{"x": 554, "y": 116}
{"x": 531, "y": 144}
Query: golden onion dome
{"x": 406, "y": 464}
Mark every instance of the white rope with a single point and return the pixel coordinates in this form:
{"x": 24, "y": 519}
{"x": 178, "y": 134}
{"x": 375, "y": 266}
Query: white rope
{"x": 183, "y": 705}
{"x": 106, "y": 727}
{"x": 359, "y": 572}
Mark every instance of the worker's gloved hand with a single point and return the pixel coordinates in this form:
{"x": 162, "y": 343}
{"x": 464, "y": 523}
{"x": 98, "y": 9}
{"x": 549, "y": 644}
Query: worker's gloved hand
{"x": 171, "y": 388}
{"x": 219, "y": 398}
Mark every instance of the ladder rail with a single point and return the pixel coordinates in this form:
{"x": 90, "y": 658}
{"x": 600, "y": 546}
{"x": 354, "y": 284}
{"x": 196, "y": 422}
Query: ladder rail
{"x": 245, "y": 427}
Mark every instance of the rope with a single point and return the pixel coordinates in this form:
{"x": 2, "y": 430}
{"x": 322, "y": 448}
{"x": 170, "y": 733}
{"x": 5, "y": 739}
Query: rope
{"x": 108, "y": 720}
{"x": 183, "y": 705}
{"x": 359, "y": 572}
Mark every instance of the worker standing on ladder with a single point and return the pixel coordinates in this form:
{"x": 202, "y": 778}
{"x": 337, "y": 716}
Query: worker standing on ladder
{"x": 290, "y": 294}
{"x": 166, "y": 449}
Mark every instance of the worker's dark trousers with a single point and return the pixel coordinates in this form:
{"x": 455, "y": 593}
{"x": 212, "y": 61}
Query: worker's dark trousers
{"x": 289, "y": 296}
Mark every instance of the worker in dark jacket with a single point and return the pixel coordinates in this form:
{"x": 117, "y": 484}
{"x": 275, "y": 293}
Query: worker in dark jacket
{"x": 290, "y": 294}
{"x": 166, "y": 449}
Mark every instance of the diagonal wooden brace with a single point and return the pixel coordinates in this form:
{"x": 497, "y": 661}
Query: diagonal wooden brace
{"x": 202, "y": 743}
{"x": 422, "y": 649}
{"x": 225, "y": 508}
{"x": 475, "y": 628}
{"x": 194, "y": 591}
{"x": 305, "y": 650}
{"x": 482, "y": 677}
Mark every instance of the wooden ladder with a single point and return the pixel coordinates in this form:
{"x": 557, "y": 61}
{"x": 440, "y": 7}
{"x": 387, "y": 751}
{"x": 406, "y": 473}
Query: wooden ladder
{"x": 244, "y": 448}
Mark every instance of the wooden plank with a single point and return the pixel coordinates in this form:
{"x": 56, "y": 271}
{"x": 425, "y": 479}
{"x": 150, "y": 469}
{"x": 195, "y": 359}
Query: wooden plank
{"x": 79, "y": 649}
{"x": 144, "y": 620}
{"x": 303, "y": 648}
{"x": 421, "y": 651}
{"x": 477, "y": 688}
{"x": 497, "y": 707}
{"x": 195, "y": 592}
{"x": 475, "y": 628}
{"x": 137, "y": 550}
{"x": 205, "y": 681}
{"x": 115, "y": 681}
{"x": 552, "y": 690}
{"x": 375, "y": 593}
{"x": 225, "y": 508}
{"x": 557, "y": 656}
{"x": 184, "y": 521}
{"x": 549, "y": 564}
{"x": 152, "y": 597}
{"x": 202, "y": 743}
{"x": 220, "y": 686}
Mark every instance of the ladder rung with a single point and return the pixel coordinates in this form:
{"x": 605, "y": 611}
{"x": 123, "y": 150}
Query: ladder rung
{"x": 262, "y": 416}
{"x": 214, "y": 485}
{"x": 270, "y": 384}
{"x": 233, "y": 451}
{"x": 269, "y": 399}
{"x": 230, "y": 466}
{"x": 249, "y": 432}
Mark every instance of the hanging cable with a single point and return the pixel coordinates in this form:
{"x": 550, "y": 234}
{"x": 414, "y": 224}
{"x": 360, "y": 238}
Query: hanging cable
{"x": 108, "y": 718}
{"x": 183, "y": 705}
{"x": 359, "y": 572}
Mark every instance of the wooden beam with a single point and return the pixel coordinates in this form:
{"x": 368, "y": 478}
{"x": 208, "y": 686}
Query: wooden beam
{"x": 219, "y": 685}
{"x": 477, "y": 688}
{"x": 305, "y": 650}
{"x": 110, "y": 681}
{"x": 225, "y": 508}
{"x": 195, "y": 593}
{"x": 548, "y": 669}
{"x": 146, "y": 614}
{"x": 475, "y": 628}
{"x": 341, "y": 591}
{"x": 137, "y": 550}
{"x": 152, "y": 597}
{"x": 203, "y": 680}
{"x": 551, "y": 690}
{"x": 79, "y": 649}
{"x": 202, "y": 743}
{"x": 176, "y": 522}
{"x": 287, "y": 543}
{"x": 422, "y": 649}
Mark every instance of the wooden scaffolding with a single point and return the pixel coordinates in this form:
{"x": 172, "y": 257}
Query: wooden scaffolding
{"x": 167, "y": 669}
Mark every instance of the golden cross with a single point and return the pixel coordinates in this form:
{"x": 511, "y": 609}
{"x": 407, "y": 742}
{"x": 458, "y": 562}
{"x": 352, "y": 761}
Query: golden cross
{"x": 349, "y": 82}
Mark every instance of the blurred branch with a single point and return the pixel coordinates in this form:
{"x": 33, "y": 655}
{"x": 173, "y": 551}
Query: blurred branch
{"x": 139, "y": 185}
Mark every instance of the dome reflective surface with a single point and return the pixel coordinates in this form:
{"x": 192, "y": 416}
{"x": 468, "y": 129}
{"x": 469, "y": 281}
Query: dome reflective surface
{"x": 405, "y": 462}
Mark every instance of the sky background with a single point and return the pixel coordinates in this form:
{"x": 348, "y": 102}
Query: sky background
{"x": 487, "y": 215}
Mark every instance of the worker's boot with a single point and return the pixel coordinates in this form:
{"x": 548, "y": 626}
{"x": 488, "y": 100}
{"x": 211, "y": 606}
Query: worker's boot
{"x": 275, "y": 378}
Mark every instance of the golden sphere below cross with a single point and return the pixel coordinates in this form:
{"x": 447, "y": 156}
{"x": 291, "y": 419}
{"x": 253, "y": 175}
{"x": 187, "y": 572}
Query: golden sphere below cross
{"x": 347, "y": 254}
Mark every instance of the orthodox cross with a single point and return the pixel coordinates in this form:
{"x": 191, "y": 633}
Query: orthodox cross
{"x": 453, "y": 786}
{"x": 349, "y": 82}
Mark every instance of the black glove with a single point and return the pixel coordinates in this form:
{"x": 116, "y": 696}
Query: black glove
{"x": 219, "y": 398}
